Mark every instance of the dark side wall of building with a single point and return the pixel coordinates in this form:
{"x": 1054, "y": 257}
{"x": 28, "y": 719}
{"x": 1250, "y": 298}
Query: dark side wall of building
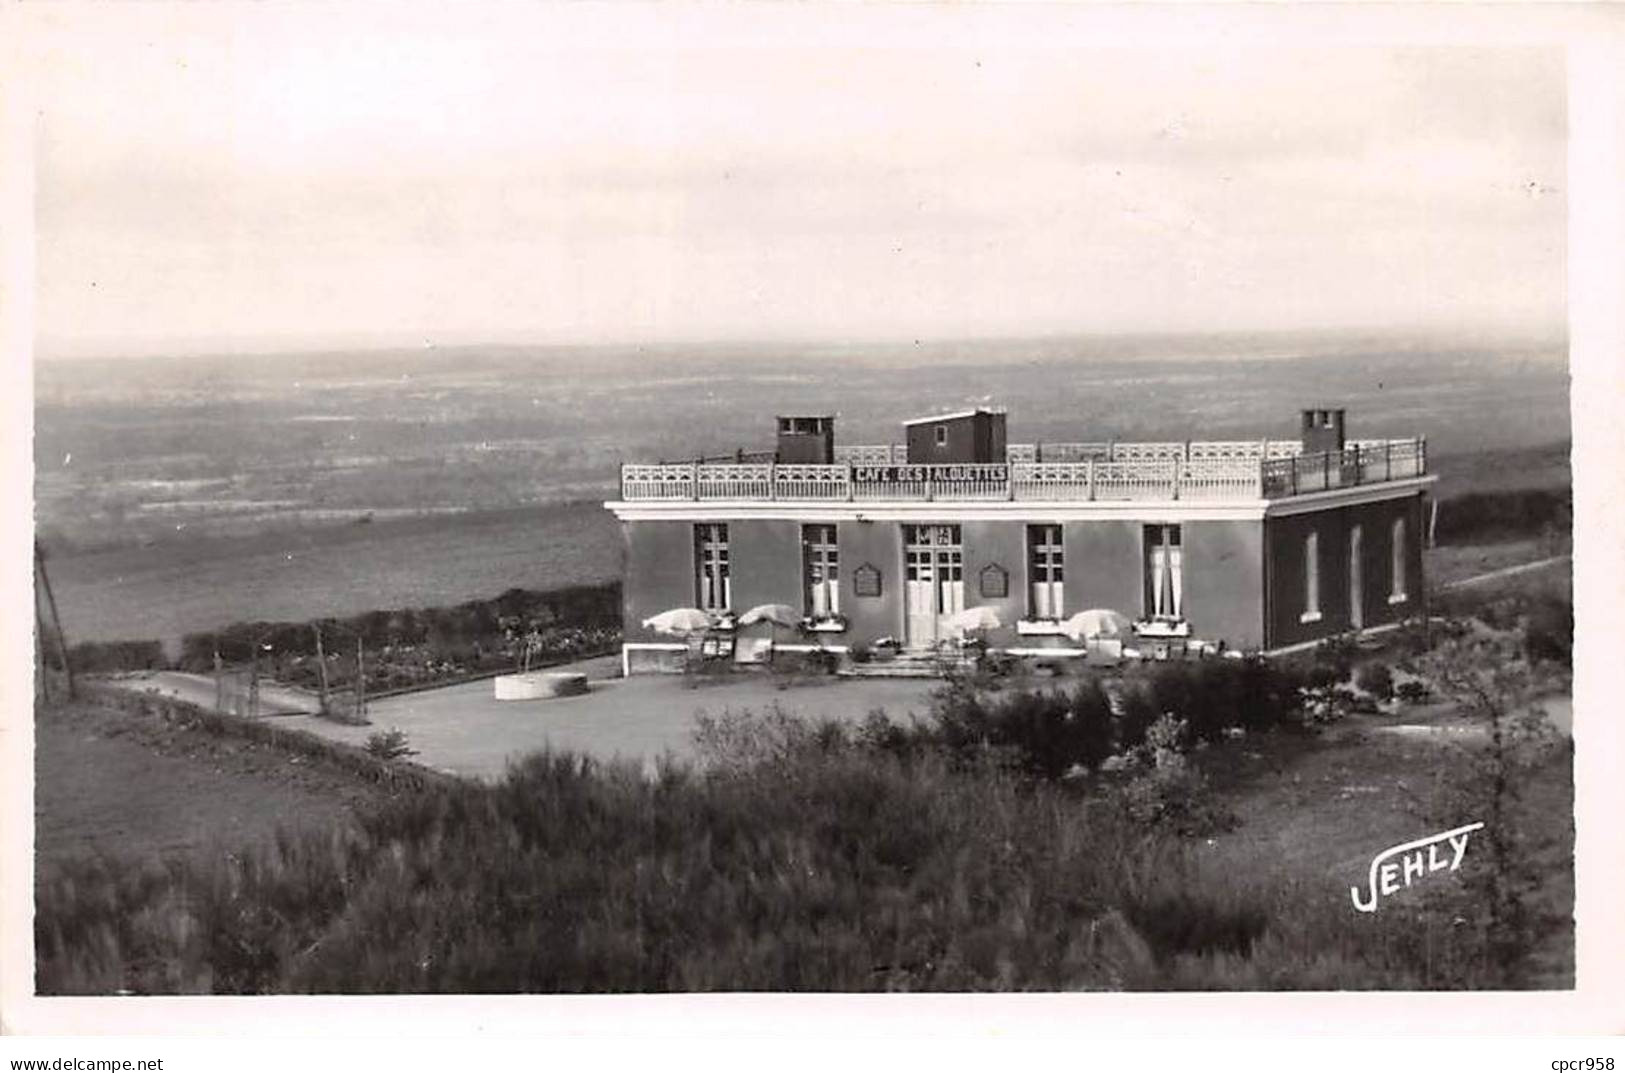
{"x": 1224, "y": 581}
{"x": 1286, "y": 542}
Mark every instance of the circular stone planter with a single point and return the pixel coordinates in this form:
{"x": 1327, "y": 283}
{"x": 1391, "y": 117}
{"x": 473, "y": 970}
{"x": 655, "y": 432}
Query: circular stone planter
{"x": 537, "y": 685}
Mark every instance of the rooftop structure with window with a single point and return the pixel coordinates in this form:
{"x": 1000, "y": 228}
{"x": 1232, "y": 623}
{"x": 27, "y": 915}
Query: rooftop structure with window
{"x": 1255, "y": 544}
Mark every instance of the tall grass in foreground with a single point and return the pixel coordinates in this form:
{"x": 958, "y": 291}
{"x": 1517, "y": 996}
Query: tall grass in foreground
{"x": 817, "y": 862}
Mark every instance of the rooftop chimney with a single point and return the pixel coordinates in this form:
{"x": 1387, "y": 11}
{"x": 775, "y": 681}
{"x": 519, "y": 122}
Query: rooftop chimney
{"x": 1322, "y": 431}
{"x": 806, "y": 440}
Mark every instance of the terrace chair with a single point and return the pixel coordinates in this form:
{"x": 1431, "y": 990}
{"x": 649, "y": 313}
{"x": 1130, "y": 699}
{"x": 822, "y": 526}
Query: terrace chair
{"x": 1104, "y": 652}
{"x": 717, "y": 645}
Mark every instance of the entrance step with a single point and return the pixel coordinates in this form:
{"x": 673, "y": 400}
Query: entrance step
{"x": 907, "y": 665}
{"x": 890, "y": 670}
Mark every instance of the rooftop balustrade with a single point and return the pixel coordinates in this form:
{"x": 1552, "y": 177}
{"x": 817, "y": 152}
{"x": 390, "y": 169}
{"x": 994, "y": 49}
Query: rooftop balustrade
{"x": 1228, "y": 470}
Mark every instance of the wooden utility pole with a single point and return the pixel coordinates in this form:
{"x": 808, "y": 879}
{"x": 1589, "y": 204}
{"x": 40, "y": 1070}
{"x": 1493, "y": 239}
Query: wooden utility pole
{"x": 321, "y": 666}
{"x": 56, "y": 619}
{"x": 44, "y": 679}
{"x": 254, "y": 679}
{"x": 360, "y": 682}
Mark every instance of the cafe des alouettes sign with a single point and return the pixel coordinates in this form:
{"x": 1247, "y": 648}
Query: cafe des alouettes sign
{"x": 904, "y": 474}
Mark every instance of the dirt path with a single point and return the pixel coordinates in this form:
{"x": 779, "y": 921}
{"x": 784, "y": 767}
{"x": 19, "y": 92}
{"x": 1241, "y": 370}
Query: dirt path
{"x": 1506, "y": 572}
{"x": 200, "y": 689}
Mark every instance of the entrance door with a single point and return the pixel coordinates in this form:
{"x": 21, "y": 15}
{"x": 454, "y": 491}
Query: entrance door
{"x": 1356, "y": 582}
{"x": 935, "y": 581}
{"x": 922, "y": 597}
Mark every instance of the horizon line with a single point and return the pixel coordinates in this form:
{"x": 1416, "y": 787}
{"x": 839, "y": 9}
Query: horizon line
{"x": 252, "y": 347}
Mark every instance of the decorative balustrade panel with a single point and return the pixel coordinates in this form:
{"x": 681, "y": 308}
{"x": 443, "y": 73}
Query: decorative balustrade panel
{"x": 1408, "y": 458}
{"x": 1282, "y": 448}
{"x": 1137, "y": 452}
{"x": 1050, "y": 481}
{"x": 748, "y": 481}
{"x": 1073, "y": 452}
{"x": 811, "y": 482}
{"x": 1135, "y": 480}
{"x": 1204, "y": 450}
{"x": 1373, "y": 460}
{"x": 1220, "y": 478}
{"x": 871, "y": 454}
{"x": 640, "y": 481}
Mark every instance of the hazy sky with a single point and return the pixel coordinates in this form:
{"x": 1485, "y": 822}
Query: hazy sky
{"x": 561, "y": 173}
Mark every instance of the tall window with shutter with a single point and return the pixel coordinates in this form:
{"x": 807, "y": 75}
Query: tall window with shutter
{"x": 1164, "y": 572}
{"x": 713, "y": 591}
{"x": 1045, "y": 572}
{"x": 821, "y": 571}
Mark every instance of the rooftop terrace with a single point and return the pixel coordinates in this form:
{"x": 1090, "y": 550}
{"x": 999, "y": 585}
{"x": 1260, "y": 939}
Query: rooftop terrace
{"x": 1052, "y": 473}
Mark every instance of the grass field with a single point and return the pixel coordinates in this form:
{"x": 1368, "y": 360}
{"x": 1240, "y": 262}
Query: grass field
{"x": 108, "y": 784}
{"x": 1457, "y": 562}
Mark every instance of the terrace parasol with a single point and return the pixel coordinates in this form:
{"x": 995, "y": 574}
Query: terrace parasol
{"x": 775, "y": 615}
{"x": 679, "y": 620}
{"x": 974, "y": 618}
{"x": 1097, "y": 622}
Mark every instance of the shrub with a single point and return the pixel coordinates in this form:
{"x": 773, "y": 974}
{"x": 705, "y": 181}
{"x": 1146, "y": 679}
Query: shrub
{"x": 1180, "y": 921}
{"x": 1214, "y": 695}
{"x": 1048, "y": 733}
{"x": 1486, "y": 516}
{"x": 1376, "y": 679}
{"x": 824, "y": 858}
{"x": 1548, "y": 630}
{"x": 1093, "y": 711}
{"x": 1321, "y": 678}
{"x": 102, "y": 657}
{"x": 1135, "y": 713}
{"x": 1412, "y": 692}
{"x": 1337, "y": 654}
{"x": 389, "y": 744}
{"x": 995, "y": 664}
{"x": 410, "y": 646}
{"x": 821, "y": 661}
{"x": 859, "y": 653}
{"x": 1170, "y": 794}
{"x": 1495, "y": 686}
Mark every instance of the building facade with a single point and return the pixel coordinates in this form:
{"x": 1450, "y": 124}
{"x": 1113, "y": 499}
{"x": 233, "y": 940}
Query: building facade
{"x": 1258, "y": 544}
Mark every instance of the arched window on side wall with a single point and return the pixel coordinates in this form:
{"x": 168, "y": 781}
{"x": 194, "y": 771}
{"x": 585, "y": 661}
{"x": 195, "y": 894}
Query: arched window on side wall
{"x": 1396, "y": 587}
{"x": 1311, "y": 577}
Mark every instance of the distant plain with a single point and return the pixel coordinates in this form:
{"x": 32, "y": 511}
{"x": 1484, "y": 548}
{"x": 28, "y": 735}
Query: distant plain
{"x": 181, "y": 494}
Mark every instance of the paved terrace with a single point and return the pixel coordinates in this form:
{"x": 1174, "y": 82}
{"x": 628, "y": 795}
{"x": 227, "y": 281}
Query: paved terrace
{"x": 464, "y": 730}
{"x": 1050, "y": 473}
